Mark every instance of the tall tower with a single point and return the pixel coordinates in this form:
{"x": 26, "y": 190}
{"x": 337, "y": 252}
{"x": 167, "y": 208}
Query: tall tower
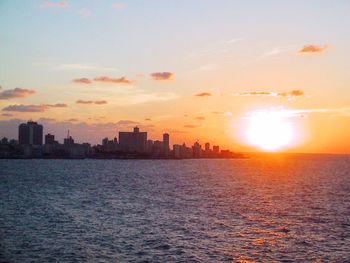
{"x": 30, "y": 133}
{"x": 166, "y": 143}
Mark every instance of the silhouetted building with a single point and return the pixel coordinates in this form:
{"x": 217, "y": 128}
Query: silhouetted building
{"x": 178, "y": 152}
{"x": 149, "y": 146}
{"x": 49, "y": 139}
{"x": 166, "y": 146}
{"x": 135, "y": 141}
{"x": 197, "y": 150}
{"x": 30, "y": 133}
{"x": 68, "y": 141}
{"x": 216, "y": 149}
{"x": 157, "y": 148}
{"x": 109, "y": 145}
{"x": 207, "y": 146}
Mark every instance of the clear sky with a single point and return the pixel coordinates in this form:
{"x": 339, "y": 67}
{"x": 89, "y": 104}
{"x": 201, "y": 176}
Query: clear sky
{"x": 196, "y": 69}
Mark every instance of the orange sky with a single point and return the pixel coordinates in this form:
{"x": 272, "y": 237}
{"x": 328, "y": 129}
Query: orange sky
{"x": 111, "y": 67}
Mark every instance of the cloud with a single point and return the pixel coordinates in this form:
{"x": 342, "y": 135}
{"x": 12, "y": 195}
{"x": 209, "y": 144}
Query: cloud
{"x": 6, "y": 114}
{"x": 203, "y": 94}
{"x": 104, "y": 79}
{"x": 227, "y": 113}
{"x": 33, "y": 108}
{"x": 122, "y": 80}
{"x": 175, "y": 131}
{"x": 46, "y": 120}
{"x": 191, "y": 126}
{"x": 97, "y": 102}
{"x": 25, "y": 108}
{"x": 73, "y": 120}
{"x": 82, "y": 81}
{"x": 148, "y": 119}
{"x": 57, "y": 105}
{"x": 290, "y": 94}
{"x": 126, "y": 122}
{"x": 59, "y": 4}
{"x": 84, "y": 12}
{"x": 15, "y": 93}
{"x": 200, "y": 118}
{"x": 119, "y": 6}
{"x": 312, "y": 49}
{"x": 162, "y": 75}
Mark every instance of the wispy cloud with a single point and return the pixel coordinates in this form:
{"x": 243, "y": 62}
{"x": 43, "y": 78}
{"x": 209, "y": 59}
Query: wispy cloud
{"x": 15, "y": 93}
{"x": 313, "y": 49}
{"x": 82, "y": 81}
{"x": 292, "y": 113}
{"x": 162, "y": 75}
{"x": 216, "y": 49}
{"x": 203, "y": 94}
{"x": 57, "y": 105}
{"x": 200, "y": 118}
{"x": 84, "y": 66}
{"x": 84, "y": 12}
{"x": 25, "y": 108}
{"x": 97, "y": 102}
{"x": 127, "y": 122}
{"x": 33, "y": 108}
{"x": 224, "y": 113}
{"x": 119, "y": 6}
{"x": 290, "y": 94}
{"x": 55, "y": 4}
{"x": 7, "y": 114}
{"x": 105, "y": 79}
{"x": 191, "y": 126}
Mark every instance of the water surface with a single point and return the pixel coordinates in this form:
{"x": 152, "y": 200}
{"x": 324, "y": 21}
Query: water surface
{"x": 290, "y": 209}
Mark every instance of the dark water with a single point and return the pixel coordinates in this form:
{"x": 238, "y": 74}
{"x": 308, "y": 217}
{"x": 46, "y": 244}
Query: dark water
{"x": 292, "y": 209}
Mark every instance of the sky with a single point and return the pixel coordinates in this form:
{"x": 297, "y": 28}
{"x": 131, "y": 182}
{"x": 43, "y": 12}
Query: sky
{"x": 197, "y": 69}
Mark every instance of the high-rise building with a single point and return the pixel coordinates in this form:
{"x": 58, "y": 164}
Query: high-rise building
{"x": 30, "y": 133}
{"x": 166, "y": 143}
{"x": 135, "y": 141}
{"x": 197, "y": 150}
{"x": 207, "y": 147}
{"x": 216, "y": 149}
{"x": 49, "y": 139}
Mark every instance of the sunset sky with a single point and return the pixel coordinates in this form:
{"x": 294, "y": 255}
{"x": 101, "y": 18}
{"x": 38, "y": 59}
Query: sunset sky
{"x": 198, "y": 69}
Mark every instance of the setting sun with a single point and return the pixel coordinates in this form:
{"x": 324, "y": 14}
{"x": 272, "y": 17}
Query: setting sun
{"x": 269, "y": 130}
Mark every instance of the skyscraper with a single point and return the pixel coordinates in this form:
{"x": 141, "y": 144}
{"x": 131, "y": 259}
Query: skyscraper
{"x": 30, "y": 133}
{"x": 135, "y": 141}
{"x": 166, "y": 147}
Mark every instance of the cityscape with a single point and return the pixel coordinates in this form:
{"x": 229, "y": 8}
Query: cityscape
{"x": 129, "y": 145}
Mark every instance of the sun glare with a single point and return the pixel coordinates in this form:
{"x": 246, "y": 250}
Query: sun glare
{"x": 269, "y": 130}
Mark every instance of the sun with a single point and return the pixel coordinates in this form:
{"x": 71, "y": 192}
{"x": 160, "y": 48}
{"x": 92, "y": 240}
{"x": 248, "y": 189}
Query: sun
{"x": 269, "y": 130}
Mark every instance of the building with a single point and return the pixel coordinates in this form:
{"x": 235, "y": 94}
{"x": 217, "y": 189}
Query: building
{"x": 157, "y": 148}
{"x": 49, "y": 138}
{"x": 109, "y": 145}
{"x": 216, "y": 149}
{"x": 135, "y": 141}
{"x": 30, "y": 133}
{"x": 197, "y": 150}
{"x": 166, "y": 144}
{"x": 207, "y": 147}
{"x": 178, "y": 151}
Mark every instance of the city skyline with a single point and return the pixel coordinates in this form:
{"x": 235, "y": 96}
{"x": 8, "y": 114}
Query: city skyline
{"x": 33, "y": 142}
{"x": 97, "y": 67}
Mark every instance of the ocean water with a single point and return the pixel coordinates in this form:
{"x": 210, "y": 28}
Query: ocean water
{"x": 278, "y": 209}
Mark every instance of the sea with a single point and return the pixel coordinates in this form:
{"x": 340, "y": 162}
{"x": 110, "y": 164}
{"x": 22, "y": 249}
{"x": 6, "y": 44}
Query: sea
{"x": 278, "y": 208}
